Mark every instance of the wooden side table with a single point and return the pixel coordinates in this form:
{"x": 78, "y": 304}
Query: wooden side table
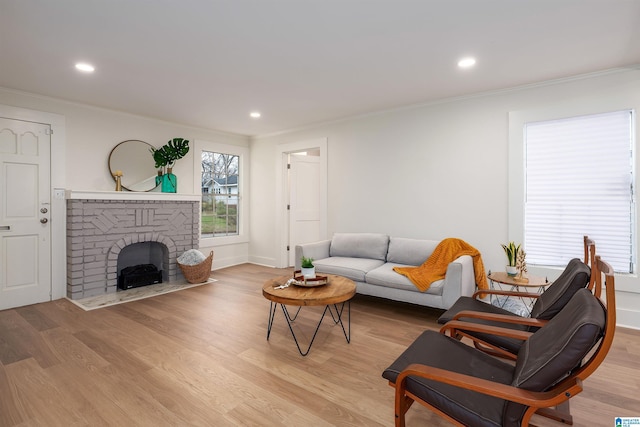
{"x": 534, "y": 283}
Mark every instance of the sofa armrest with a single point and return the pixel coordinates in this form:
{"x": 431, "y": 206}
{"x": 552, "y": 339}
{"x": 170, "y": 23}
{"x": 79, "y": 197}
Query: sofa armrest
{"x": 315, "y": 250}
{"x": 459, "y": 280}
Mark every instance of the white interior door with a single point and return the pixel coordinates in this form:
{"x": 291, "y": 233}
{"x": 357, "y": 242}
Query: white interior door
{"x": 25, "y": 236}
{"x": 304, "y": 201}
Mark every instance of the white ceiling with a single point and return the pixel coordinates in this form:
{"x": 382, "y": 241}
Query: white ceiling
{"x": 209, "y": 63}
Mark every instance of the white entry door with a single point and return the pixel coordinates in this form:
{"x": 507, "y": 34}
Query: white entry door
{"x": 25, "y": 236}
{"x": 304, "y": 196}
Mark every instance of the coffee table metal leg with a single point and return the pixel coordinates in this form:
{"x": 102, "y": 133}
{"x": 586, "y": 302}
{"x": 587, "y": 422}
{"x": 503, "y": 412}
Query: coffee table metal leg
{"x": 272, "y": 315}
{"x": 290, "y": 319}
{"x": 347, "y": 335}
{"x": 295, "y": 315}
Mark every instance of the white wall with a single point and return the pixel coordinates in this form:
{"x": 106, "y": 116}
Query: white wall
{"x": 92, "y": 132}
{"x": 430, "y": 171}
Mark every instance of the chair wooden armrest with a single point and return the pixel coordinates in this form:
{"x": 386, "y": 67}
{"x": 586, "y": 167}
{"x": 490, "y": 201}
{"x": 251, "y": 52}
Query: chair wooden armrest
{"x": 558, "y": 394}
{"x": 502, "y": 318}
{"x": 459, "y": 329}
{"x": 455, "y": 327}
{"x": 483, "y": 292}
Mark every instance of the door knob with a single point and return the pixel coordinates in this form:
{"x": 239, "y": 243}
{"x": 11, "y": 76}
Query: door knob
{"x": 44, "y": 220}
{"x": 44, "y": 210}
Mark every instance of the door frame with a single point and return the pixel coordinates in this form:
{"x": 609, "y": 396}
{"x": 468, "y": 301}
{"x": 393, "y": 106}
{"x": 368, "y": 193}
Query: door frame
{"x": 58, "y": 219}
{"x": 282, "y": 191}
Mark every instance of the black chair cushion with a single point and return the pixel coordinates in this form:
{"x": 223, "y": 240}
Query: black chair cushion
{"x": 575, "y": 276}
{"x": 553, "y": 351}
{"x": 440, "y": 351}
{"x": 512, "y": 345}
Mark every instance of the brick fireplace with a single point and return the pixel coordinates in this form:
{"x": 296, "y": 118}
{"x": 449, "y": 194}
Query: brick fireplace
{"x": 101, "y": 224}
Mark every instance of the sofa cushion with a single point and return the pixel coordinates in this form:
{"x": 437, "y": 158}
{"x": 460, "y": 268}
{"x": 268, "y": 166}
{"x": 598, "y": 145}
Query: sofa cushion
{"x": 359, "y": 245}
{"x": 385, "y": 276}
{"x": 351, "y": 268}
{"x": 411, "y": 252}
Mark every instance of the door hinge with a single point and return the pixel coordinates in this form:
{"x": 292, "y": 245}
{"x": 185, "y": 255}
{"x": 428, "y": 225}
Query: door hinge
{"x": 288, "y": 248}
{"x": 288, "y": 165}
{"x": 288, "y": 207}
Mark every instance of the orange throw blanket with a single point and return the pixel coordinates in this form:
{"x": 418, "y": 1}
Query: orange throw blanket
{"x": 435, "y": 267}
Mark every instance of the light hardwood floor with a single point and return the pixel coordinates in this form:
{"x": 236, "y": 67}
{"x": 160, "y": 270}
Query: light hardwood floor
{"x": 200, "y": 357}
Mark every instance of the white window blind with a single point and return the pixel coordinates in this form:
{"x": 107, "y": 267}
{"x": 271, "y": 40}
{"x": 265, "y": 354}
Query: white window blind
{"x": 578, "y": 179}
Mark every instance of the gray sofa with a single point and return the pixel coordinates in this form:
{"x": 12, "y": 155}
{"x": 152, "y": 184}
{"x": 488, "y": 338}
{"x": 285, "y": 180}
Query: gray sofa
{"x": 368, "y": 259}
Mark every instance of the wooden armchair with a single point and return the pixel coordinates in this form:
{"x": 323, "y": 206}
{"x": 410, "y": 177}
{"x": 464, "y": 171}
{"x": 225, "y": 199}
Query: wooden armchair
{"x": 483, "y": 326}
{"x": 469, "y": 387}
{"x": 575, "y": 276}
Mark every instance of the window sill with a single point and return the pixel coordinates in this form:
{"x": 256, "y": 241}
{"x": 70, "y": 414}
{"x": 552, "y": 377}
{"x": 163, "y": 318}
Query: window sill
{"x": 209, "y": 242}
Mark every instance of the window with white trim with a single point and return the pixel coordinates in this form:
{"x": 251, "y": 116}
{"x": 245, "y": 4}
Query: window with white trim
{"x": 579, "y": 181}
{"x": 220, "y": 194}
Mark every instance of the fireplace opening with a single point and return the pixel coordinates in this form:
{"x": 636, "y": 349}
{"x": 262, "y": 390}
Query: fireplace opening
{"x": 141, "y": 264}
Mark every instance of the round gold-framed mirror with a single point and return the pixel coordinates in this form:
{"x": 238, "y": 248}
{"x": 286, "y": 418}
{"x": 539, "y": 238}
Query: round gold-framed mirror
{"x": 134, "y": 159}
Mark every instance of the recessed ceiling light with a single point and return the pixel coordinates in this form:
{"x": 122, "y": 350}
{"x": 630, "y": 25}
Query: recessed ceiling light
{"x": 84, "y": 67}
{"x": 255, "y": 115}
{"x": 467, "y": 62}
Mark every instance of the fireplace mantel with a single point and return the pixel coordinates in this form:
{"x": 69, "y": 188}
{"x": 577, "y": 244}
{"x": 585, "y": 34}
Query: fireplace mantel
{"x": 130, "y": 195}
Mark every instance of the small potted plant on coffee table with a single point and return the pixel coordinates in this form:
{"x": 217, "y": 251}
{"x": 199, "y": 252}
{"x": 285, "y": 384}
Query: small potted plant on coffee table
{"x": 308, "y": 269}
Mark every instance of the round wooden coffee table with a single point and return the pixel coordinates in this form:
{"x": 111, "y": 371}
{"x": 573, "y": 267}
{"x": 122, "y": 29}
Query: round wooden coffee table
{"x": 334, "y": 296}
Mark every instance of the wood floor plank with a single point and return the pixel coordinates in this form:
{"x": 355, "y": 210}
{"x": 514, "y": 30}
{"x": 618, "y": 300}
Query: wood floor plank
{"x": 24, "y": 339}
{"x": 117, "y": 356}
{"x": 66, "y": 347}
{"x": 92, "y": 405}
{"x": 179, "y": 399}
{"x": 12, "y": 411}
{"x": 38, "y": 320}
{"x": 200, "y": 357}
{"x": 37, "y": 391}
{"x": 11, "y": 331}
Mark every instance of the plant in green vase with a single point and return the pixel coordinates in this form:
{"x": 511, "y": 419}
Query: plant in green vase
{"x": 165, "y": 157}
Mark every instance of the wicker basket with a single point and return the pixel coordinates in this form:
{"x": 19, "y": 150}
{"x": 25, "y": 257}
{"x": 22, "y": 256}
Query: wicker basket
{"x": 198, "y": 273}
